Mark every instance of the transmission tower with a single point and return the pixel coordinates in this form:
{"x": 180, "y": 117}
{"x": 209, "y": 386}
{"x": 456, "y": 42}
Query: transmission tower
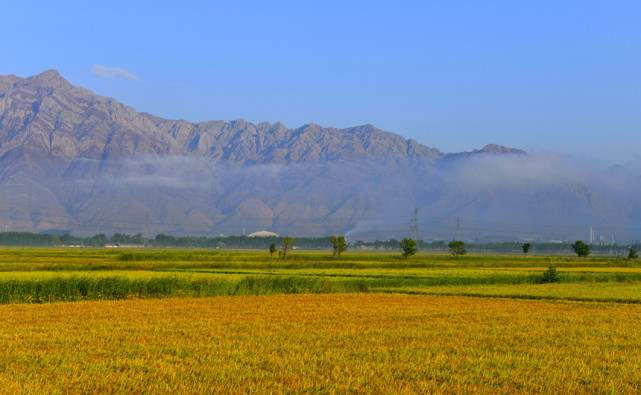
{"x": 411, "y": 228}
{"x": 147, "y": 229}
{"x": 458, "y": 228}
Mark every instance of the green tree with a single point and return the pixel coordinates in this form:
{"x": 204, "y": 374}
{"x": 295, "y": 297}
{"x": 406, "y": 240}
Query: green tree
{"x": 408, "y": 246}
{"x": 339, "y": 245}
{"x": 287, "y": 243}
{"x": 632, "y": 253}
{"x": 98, "y": 240}
{"x": 526, "y": 248}
{"x": 581, "y": 249}
{"x": 457, "y": 248}
{"x": 272, "y": 249}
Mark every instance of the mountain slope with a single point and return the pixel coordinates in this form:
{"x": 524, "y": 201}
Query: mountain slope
{"x": 48, "y": 115}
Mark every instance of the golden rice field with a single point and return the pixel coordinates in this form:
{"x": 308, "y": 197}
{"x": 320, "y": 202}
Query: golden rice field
{"x": 372, "y": 343}
{"x": 605, "y": 292}
{"x": 97, "y": 321}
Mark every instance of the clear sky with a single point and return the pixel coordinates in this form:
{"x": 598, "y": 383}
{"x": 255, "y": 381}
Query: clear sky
{"x": 455, "y": 75}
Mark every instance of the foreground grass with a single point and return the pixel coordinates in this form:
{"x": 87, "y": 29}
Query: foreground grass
{"x": 321, "y": 343}
{"x": 50, "y": 287}
{"x": 66, "y": 289}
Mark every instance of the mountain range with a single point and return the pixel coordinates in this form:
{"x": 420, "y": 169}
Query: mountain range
{"x": 73, "y": 161}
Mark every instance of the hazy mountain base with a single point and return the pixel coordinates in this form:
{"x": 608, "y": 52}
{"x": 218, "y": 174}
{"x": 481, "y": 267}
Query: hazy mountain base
{"x": 185, "y": 195}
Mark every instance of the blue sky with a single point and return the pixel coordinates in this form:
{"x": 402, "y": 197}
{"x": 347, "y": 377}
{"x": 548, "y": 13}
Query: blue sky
{"x": 455, "y": 75}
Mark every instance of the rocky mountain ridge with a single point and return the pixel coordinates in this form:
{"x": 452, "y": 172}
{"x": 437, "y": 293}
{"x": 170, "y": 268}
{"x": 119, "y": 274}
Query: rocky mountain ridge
{"x": 74, "y": 161}
{"x": 47, "y": 114}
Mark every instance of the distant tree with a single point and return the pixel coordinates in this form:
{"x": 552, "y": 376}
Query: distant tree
{"x": 581, "y": 249}
{"x": 68, "y": 239}
{"x": 272, "y": 249}
{"x": 97, "y": 240}
{"x": 526, "y": 248}
{"x": 408, "y": 246}
{"x": 632, "y": 253}
{"x": 457, "y": 248}
{"x": 339, "y": 245}
{"x": 287, "y": 242}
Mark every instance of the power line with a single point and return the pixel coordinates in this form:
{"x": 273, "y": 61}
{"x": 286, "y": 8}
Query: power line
{"x": 384, "y": 219}
{"x": 435, "y": 226}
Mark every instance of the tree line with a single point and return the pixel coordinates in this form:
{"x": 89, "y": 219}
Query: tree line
{"x": 442, "y": 247}
{"x": 338, "y": 244}
{"x": 27, "y": 239}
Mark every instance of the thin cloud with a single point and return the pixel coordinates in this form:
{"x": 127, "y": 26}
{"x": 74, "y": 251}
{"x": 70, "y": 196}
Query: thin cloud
{"x": 549, "y": 196}
{"x": 112, "y": 72}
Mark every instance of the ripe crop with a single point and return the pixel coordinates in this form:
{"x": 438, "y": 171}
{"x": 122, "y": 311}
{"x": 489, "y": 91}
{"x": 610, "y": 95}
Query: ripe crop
{"x": 328, "y": 343}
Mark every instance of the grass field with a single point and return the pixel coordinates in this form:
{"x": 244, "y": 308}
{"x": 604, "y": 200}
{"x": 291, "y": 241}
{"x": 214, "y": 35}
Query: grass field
{"x": 145, "y": 321}
{"x": 52, "y": 275}
{"x": 606, "y": 292}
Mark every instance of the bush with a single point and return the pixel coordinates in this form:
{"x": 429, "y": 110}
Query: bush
{"x": 550, "y": 276}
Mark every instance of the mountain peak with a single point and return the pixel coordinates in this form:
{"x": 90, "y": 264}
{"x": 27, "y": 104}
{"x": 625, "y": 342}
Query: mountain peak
{"x": 49, "y": 78}
{"x": 500, "y": 149}
{"x": 51, "y": 73}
